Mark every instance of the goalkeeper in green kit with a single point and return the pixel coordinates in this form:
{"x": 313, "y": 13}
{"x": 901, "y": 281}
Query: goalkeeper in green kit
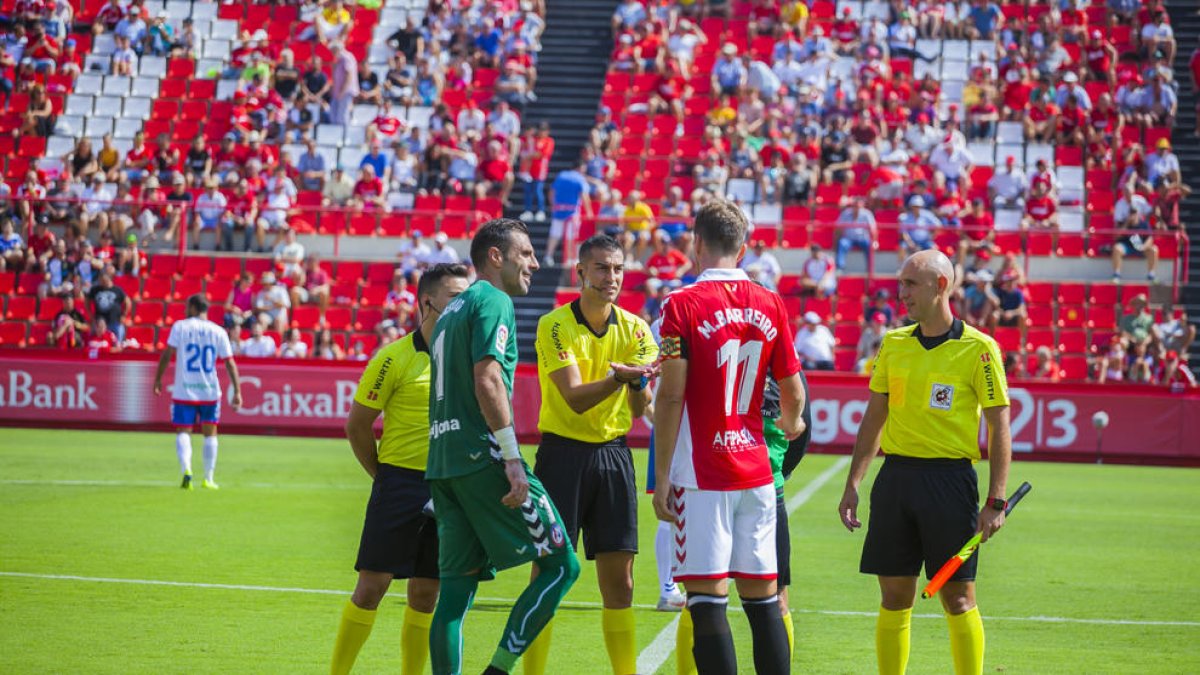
{"x": 491, "y": 511}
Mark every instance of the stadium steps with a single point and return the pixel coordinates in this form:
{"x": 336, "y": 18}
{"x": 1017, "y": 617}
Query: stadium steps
{"x": 1186, "y": 22}
{"x": 570, "y": 77}
{"x": 571, "y": 70}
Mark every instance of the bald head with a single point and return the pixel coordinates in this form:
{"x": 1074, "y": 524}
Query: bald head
{"x": 931, "y": 264}
{"x": 926, "y": 280}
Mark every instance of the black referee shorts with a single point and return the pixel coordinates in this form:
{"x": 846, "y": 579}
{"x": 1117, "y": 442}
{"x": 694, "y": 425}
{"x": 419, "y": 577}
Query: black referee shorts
{"x": 594, "y": 488}
{"x": 922, "y": 511}
{"x": 397, "y": 537}
{"x": 783, "y": 543}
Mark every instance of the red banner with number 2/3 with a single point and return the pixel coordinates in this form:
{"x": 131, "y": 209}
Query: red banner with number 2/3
{"x": 1048, "y": 420}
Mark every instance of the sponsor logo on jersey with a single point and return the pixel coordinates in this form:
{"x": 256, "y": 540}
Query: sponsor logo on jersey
{"x": 372, "y": 395}
{"x": 734, "y": 315}
{"x": 501, "y": 338}
{"x": 557, "y": 536}
{"x": 942, "y": 396}
{"x": 444, "y": 427}
{"x": 383, "y": 371}
{"x": 989, "y": 381}
{"x": 733, "y": 441}
{"x": 564, "y": 355}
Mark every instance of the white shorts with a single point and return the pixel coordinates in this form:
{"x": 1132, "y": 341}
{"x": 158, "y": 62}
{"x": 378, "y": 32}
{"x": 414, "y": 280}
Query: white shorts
{"x": 721, "y": 534}
{"x": 559, "y": 225}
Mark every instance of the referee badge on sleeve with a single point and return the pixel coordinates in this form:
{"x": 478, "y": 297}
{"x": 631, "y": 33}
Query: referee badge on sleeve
{"x": 942, "y": 396}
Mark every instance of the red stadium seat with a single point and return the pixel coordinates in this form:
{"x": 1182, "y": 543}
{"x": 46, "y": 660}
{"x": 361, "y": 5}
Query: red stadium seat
{"x": 187, "y": 287}
{"x": 1074, "y": 367}
{"x": 1039, "y": 337}
{"x": 337, "y": 318}
{"x": 349, "y": 271}
{"x": 176, "y": 311}
{"x": 306, "y": 316}
{"x": 21, "y": 307}
{"x": 1040, "y": 291}
{"x": 1072, "y": 293}
{"x": 1101, "y": 317}
{"x": 1071, "y": 316}
{"x": 1072, "y": 341}
{"x": 149, "y": 313}
{"x": 1040, "y": 315}
{"x": 380, "y": 274}
{"x": 1103, "y": 294}
{"x": 1009, "y": 339}
{"x": 1130, "y": 291}
{"x": 13, "y": 333}
{"x": 367, "y": 319}
{"x": 156, "y": 288}
{"x": 48, "y": 308}
{"x": 145, "y": 336}
{"x": 228, "y": 268}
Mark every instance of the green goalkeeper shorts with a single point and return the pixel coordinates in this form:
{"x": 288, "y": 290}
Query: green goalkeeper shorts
{"x": 478, "y": 534}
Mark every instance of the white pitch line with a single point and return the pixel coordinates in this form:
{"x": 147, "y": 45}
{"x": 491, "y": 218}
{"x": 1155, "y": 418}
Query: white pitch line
{"x": 575, "y": 604}
{"x": 175, "y": 484}
{"x": 655, "y": 654}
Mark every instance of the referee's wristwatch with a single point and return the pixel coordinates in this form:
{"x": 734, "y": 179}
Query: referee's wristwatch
{"x": 998, "y": 503}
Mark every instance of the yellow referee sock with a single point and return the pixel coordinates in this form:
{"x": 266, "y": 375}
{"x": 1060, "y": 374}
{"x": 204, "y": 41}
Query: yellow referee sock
{"x": 787, "y": 625}
{"x": 618, "y": 625}
{"x": 893, "y": 629}
{"x": 538, "y": 653}
{"x": 352, "y": 633}
{"x": 966, "y": 641}
{"x": 685, "y": 661}
{"x": 414, "y": 641}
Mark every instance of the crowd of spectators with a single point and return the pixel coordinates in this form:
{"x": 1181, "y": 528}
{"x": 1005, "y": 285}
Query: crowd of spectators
{"x": 857, "y": 114}
{"x": 470, "y": 66}
{"x": 847, "y": 112}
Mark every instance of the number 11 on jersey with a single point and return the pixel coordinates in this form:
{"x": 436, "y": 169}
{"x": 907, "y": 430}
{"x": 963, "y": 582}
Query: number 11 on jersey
{"x": 730, "y": 356}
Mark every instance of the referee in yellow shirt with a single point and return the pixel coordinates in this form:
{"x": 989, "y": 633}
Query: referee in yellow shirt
{"x": 594, "y": 362}
{"x": 930, "y": 381}
{"x": 398, "y": 538}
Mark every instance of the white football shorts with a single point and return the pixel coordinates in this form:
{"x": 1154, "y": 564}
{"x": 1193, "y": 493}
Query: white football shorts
{"x": 723, "y": 534}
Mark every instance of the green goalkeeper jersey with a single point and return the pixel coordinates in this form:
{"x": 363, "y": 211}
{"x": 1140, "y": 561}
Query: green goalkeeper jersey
{"x": 478, "y": 324}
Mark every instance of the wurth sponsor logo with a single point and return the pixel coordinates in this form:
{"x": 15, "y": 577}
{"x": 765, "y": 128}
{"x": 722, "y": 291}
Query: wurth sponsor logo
{"x": 23, "y": 391}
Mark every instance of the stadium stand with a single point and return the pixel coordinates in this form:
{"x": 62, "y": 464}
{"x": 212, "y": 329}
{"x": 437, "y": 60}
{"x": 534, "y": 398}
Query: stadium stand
{"x": 1036, "y": 142}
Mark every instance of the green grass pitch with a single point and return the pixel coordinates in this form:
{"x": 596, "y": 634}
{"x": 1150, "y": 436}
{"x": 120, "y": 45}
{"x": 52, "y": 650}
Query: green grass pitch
{"x": 1095, "y": 573}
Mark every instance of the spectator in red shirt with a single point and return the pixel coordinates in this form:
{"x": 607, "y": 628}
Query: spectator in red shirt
{"x": 243, "y": 214}
{"x": 1046, "y": 365}
{"x": 1072, "y": 123}
{"x": 982, "y": 118}
{"x": 100, "y": 340}
{"x": 978, "y": 230}
{"x": 1040, "y": 210}
{"x": 138, "y": 158}
{"x": 1017, "y": 88}
{"x": 495, "y": 172}
{"x": 1041, "y": 121}
{"x": 369, "y": 192}
{"x": 667, "y": 262}
{"x": 108, "y": 17}
{"x": 536, "y": 150}
{"x": 1101, "y": 58}
{"x": 43, "y": 49}
{"x": 845, "y": 34}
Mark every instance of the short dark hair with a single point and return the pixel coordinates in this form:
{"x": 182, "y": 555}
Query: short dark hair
{"x": 722, "y": 226}
{"x": 197, "y": 303}
{"x": 598, "y": 242}
{"x": 496, "y": 232}
{"x": 434, "y": 276}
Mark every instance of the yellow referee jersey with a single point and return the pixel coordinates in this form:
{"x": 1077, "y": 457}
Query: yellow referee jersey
{"x": 936, "y": 388}
{"x": 563, "y": 339}
{"x": 396, "y": 381}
